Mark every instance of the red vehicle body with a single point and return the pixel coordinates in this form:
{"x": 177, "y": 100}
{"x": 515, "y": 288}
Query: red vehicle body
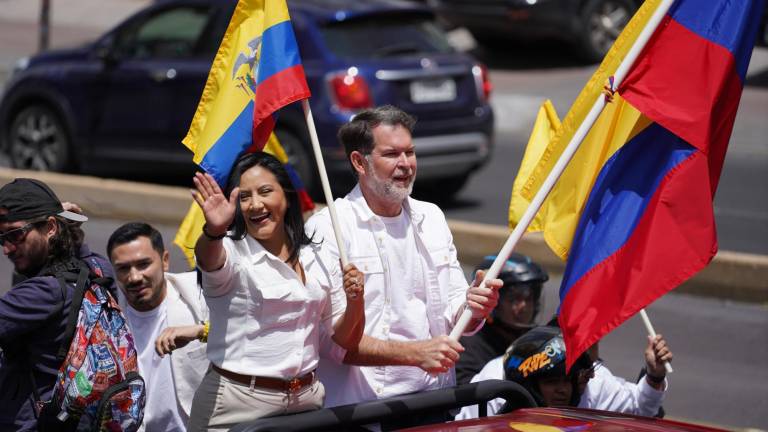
{"x": 561, "y": 419}
{"x": 398, "y": 413}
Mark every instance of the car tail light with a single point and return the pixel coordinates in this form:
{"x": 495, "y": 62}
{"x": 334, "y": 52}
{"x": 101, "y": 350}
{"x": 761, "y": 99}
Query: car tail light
{"x": 483, "y": 81}
{"x": 350, "y": 90}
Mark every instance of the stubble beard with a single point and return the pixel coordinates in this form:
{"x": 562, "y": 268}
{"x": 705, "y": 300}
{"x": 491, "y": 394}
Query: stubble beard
{"x": 386, "y": 187}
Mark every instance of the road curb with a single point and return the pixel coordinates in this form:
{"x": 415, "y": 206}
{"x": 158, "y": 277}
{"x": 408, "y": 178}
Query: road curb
{"x": 114, "y": 199}
{"x": 730, "y": 276}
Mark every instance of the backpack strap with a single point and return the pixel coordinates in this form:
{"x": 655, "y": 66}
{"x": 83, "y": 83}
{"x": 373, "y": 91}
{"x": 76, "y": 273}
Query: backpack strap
{"x": 35, "y": 393}
{"x": 74, "y": 307}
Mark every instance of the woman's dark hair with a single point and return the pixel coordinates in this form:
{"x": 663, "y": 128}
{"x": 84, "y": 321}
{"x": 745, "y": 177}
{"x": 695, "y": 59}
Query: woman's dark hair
{"x": 293, "y": 220}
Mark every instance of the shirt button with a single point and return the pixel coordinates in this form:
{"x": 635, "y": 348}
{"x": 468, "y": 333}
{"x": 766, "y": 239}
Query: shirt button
{"x": 385, "y": 329}
{"x": 386, "y": 300}
{"x": 379, "y": 390}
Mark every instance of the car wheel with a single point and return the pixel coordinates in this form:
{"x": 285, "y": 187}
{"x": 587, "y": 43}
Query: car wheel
{"x": 299, "y": 157}
{"x": 38, "y": 141}
{"x": 602, "y": 21}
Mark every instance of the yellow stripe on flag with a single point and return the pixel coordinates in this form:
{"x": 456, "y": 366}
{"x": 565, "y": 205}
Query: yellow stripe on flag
{"x": 619, "y": 122}
{"x": 588, "y": 95}
{"x": 546, "y": 125}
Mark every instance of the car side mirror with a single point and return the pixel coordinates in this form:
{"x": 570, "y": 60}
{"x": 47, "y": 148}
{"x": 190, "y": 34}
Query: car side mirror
{"x": 107, "y": 55}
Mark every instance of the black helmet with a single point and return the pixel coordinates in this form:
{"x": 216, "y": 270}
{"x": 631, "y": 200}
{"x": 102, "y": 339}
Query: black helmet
{"x": 517, "y": 269}
{"x": 540, "y": 353}
{"x": 520, "y": 271}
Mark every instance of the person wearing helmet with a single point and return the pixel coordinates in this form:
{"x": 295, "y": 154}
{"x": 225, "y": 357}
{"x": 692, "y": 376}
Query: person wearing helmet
{"x": 536, "y": 361}
{"x": 518, "y": 306}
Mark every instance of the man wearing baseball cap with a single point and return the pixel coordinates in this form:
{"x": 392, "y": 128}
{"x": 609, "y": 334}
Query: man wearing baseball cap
{"x": 37, "y": 234}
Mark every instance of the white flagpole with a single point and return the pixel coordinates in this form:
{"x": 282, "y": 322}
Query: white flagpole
{"x": 565, "y": 158}
{"x": 652, "y": 333}
{"x": 324, "y": 180}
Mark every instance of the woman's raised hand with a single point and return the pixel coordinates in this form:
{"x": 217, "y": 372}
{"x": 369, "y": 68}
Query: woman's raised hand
{"x": 218, "y": 210}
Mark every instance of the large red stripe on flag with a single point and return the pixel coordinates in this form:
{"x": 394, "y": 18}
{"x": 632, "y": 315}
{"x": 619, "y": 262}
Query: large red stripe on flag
{"x": 280, "y": 89}
{"x": 674, "y": 239}
{"x": 690, "y": 86}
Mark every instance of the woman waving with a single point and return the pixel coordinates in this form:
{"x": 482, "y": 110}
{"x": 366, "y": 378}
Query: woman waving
{"x": 268, "y": 289}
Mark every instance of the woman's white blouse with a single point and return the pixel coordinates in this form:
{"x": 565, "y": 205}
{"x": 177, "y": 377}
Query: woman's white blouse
{"x": 264, "y": 321}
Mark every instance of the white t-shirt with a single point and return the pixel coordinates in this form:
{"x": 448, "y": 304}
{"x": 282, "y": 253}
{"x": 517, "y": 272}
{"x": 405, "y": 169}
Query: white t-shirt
{"x": 161, "y": 413}
{"x": 402, "y": 318}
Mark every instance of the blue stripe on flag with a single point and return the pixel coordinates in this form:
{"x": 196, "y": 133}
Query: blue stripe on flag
{"x": 278, "y": 51}
{"x": 223, "y": 153}
{"x": 730, "y": 24}
{"x": 621, "y": 193}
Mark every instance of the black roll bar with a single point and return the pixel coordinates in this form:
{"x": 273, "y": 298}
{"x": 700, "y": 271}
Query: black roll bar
{"x": 394, "y": 410}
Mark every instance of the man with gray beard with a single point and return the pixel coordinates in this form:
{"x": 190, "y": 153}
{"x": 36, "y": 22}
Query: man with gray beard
{"x": 415, "y": 289}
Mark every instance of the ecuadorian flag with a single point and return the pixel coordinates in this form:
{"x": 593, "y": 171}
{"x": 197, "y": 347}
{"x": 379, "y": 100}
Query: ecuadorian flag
{"x": 257, "y": 70}
{"x": 633, "y": 211}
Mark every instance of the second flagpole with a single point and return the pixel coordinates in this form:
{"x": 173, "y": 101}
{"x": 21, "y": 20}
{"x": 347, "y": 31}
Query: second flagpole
{"x": 324, "y": 180}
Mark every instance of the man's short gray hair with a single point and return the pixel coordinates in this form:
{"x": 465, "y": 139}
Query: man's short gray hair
{"x": 357, "y": 134}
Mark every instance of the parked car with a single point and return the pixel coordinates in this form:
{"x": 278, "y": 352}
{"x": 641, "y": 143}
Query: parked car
{"x": 399, "y": 412}
{"x": 124, "y": 102}
{"x": 591, "y": 26}
{"x": 762, "y": 34}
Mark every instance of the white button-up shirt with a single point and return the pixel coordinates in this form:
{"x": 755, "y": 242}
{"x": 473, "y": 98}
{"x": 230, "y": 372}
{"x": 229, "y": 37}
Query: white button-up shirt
{"x": 264, "y": 320}
{"x": 387, "y": 301}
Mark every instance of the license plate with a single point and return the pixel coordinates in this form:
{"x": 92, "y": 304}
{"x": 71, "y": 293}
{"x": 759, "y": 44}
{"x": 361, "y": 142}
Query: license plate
{"x": 430, "y": 91}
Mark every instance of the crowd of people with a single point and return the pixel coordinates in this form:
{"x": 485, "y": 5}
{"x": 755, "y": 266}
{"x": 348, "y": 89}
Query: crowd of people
{"x": 269, "y": 323}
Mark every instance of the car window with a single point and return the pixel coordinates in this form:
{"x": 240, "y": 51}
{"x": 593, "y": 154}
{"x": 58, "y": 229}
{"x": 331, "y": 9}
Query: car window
{"x": 170, "y": 33}
{"x": 391, "y": 35}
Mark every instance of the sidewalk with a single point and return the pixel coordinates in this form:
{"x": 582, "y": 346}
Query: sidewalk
{"x": 71, "y": 22}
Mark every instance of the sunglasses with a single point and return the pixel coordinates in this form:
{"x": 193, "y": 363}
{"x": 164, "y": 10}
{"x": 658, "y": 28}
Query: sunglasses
{"x": 17, "y": 235}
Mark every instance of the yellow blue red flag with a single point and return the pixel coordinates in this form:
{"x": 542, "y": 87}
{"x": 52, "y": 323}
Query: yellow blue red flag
{"x": 257, "y": 70}
{"x": 633, "y": 210}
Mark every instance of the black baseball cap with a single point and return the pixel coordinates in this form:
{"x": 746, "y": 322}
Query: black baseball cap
{"x": 26, "y": 199}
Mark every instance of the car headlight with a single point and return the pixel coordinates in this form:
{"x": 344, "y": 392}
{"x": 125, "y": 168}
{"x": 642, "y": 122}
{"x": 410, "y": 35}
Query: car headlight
{"x": 21, "y": 64}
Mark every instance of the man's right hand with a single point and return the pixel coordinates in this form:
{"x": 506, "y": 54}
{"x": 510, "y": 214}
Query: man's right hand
{"x": 177, "y": 337}
{"x": 437, "y": 355}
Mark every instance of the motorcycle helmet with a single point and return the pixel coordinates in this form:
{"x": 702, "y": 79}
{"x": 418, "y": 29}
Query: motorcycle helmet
{"x": 540, "y": 353}
{"x": 519, "y": 274}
